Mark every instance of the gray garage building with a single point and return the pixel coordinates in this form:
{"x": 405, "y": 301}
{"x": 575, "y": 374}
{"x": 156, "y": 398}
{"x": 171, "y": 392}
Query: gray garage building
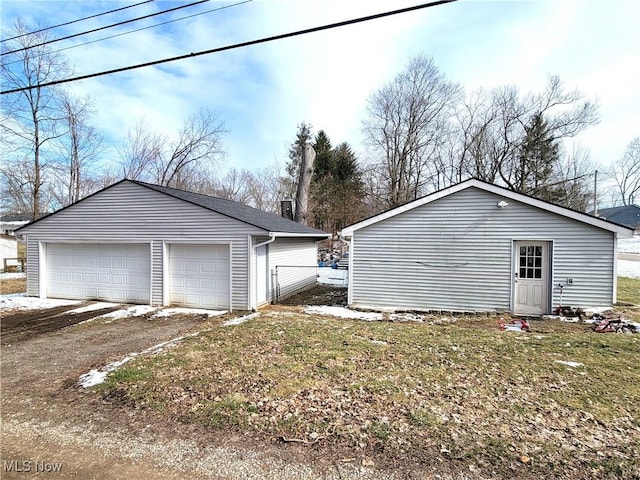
{"x": 135, "y": 242}
{"x": 479, "y": 247}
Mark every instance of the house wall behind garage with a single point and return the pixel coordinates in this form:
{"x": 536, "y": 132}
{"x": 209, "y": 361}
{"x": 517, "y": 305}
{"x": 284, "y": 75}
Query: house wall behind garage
{"x": 296, "y": 260}
{"x": 131, "y": 213}
{"x": 455, "y": 253}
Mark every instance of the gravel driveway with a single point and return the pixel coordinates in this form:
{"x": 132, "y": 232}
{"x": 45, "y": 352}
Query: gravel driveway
{"x": 49, "y": 423}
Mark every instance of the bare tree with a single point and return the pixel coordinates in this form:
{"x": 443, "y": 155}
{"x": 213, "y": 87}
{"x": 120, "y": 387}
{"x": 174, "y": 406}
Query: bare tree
{"x": 78, "y": 148}
{"x": 573, "y": 180}
{"x": 626, "y": 173}
{"x": 262, "y": 187}
{"x": 140, "y": 151}
{"x": 181, "y": 163}
{"x": 406, "y": 124}
{"x": 199, "y": 142}
{"x": 30, "y": 116}
{"x": 563, "y": 114}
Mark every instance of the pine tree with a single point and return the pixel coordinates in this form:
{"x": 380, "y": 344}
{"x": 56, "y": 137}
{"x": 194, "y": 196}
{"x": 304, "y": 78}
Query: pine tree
{"x": 538, "y": 157}
{"x": 321, "y": 182}
{"x": 348, "y": 188}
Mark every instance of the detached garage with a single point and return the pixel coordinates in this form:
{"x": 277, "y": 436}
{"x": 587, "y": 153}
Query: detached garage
{"x": 477, "y": 247}
{"x": 135, "y": 242}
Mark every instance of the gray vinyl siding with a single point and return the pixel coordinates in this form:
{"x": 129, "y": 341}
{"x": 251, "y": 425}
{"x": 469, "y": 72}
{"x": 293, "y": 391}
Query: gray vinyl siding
{"x": 296, "y": 262}
{"x": 157, "y": 272}
{"x": 131, "y": 213}
{"x": 32, "y": 267}
{"x": 456, "y": 253}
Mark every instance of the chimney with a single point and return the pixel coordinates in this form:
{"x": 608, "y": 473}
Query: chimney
{"x": 286, "y": 209}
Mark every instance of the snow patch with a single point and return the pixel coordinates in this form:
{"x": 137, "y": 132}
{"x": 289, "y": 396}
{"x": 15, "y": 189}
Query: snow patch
{"x": 98, "y": 375}
{"x": 333, "y": 276}
{"x": 629, "y": 245}
{"x": 20, "y": 302}
{"x": 12, "y": 276}
{"x": 92, "y": 307}
{"x": 569, "y": 363}
{"x": 240, "y": 320}
{"x": 628, "y": 268}
{"x": 406, "y": 317}
{"x": 167, "y": 312}
{"x": 342, "y": 312}
{"x": 134, "y": 311}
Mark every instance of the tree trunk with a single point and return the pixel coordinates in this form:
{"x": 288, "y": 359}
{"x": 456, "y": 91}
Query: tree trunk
{"x": 304, "y": 185}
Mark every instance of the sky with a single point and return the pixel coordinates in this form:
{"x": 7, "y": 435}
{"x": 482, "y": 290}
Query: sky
{"x": 263, "y": 92}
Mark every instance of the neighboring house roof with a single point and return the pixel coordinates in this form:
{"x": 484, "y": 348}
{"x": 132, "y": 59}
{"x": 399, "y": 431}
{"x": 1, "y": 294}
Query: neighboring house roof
{"x": 16, "y": 217}
{"x": 503, "y": 192}
{"x": 628, "y": 215}
{"x": 13, "y": 223}
{"x": 274, "y": 224}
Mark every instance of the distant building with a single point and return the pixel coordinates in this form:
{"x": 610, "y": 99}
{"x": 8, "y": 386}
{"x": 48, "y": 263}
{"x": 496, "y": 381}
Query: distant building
{"x": 627, "y": 215}
{"x": 11, "y": 222}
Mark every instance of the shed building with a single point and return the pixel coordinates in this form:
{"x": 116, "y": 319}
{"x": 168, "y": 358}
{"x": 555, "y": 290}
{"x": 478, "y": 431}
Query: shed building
{"x": 477, "y": 247}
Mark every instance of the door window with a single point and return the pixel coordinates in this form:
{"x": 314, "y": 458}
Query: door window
{"x": 530, "y": 262}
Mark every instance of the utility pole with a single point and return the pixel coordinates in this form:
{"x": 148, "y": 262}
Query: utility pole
{"x": 304, "y": 184}
{"x": 595, "y": 194}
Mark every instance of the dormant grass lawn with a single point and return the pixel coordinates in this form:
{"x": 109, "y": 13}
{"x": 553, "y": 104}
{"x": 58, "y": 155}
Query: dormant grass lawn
{"x": 13, "y": 285}
{"x": 455, "y": 393}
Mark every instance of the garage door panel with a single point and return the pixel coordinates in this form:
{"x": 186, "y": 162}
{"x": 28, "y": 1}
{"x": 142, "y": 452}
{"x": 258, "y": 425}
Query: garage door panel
{"x": 118, "y": 272}
{"x": 199, "y": 276}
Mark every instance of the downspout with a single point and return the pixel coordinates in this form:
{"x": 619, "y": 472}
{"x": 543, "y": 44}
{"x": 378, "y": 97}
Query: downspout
{"x": 350, "y": 268}
{"x": 272, "y": 238}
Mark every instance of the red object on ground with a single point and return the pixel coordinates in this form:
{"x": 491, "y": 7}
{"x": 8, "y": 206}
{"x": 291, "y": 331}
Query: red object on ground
{"x": 518, "y": 325}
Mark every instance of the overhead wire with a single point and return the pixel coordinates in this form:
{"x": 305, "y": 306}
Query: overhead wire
{"x": 104, "y": 27}
{"x": 143, "y": 28}
{"x": 236, "y": 45}
{"x": 76, "y": 21}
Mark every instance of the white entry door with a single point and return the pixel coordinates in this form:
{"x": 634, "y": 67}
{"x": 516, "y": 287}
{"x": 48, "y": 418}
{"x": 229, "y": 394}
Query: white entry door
{"x": 199, "y": 276}
{"x": 262, "y": 275}
{"x": 99, "y": 271}
{"x": 531, "y": 277}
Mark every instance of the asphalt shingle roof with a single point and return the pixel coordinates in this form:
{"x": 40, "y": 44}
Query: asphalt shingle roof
{"x": 239, "y": 211}
{"x": 628, "y": 215}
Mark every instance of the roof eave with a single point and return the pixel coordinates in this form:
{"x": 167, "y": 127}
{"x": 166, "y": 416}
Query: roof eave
{"x": 302, "y": 235}
{"x": 622, "y": 231}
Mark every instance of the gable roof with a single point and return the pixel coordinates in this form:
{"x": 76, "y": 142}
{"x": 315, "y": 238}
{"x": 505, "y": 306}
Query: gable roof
{"x": 274, "y": 224}
{"x": 503, "y": 192}
{"x": 239, "y": 211}
{"x": 628, "y": 215}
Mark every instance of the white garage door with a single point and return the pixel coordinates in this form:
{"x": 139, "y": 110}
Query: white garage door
{"x": 111, "y": 272}
{"x": 199, "y": 276}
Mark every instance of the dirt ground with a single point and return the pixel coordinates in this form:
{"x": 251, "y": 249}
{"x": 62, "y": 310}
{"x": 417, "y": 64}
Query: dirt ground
{"x": 319, "y": 295}
{"x": 51, "y": 428}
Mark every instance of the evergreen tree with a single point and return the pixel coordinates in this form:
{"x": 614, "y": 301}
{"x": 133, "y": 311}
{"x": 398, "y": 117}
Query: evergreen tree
{"x": 538, "y": 157}
{"x": 348, "y": 188}
{"x": 321, "y": 182}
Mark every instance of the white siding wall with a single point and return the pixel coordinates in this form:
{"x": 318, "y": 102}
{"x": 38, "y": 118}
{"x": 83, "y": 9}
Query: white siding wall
{"x": 132, "y": 213}
{"x": 456, "y": 254}
{"x": 296, "y": 260}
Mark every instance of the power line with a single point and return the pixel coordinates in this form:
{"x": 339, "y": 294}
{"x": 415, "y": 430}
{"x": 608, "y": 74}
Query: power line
{"x": 76, "y": 21}
{"x": 105, "y": 27}
{"x": 140, "y": 29}
{"x": 237, "y": 45}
